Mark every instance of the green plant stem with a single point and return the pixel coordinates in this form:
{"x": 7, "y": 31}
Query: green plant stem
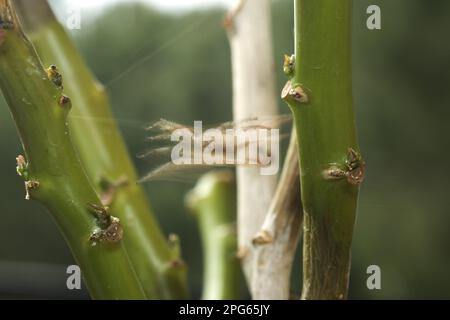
{"x": 326, "y": 134}
{"x": 63, "y": 188}
{"x": 213, "y": 200}
{"x": 105, "y": 157}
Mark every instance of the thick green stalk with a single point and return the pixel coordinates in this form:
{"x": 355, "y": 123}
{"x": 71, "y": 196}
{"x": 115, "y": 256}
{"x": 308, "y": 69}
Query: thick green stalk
{"x": 54, "y": 175}
{"x": 105, "y": 157}
{"x": 213, "y": 200}
{"x": 320, "y": 97}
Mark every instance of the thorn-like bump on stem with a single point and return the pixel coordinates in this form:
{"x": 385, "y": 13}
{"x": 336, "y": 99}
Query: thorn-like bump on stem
{"x": 111, "y": 234}
{"x": 22, "y": 170}
{"x": 289, "y": 65}
{"x": 262, "y": 237}
{"x": 101, "y": 213}
{"x": 110, "y": 230}
{"x": 294, "y": 94}
{"x": 22, "y": 167}
{"x": 334, "y": 173}
{"x": 30, "y": 185}
{"x": 54, "y": 76}
{"x": 354, "y": 169}
{"x": 64, "y": 101}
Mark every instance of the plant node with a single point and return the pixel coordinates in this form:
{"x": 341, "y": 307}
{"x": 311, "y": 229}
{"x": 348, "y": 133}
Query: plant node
{"x": 22, "y": 170}
{"x": 289, "y": 65}
{"x": 30, "y": 185}
{"x": 356, "y": 167}
{"x": 294, "y": 94}
{"x": 22, "y": 167}
{"x": 64, "y": 101}
{"x": 110, "y": 230}
{"x": 101, "y": 213}
{"x": 54, "y": 76}
{"x": 262, "y": 237}
{"x": 353, "y": 170}
{"x": 111, "y": 234}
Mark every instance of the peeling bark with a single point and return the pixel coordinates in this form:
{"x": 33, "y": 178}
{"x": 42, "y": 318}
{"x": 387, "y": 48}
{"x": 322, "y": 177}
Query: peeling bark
{"x": 249, "y": 29}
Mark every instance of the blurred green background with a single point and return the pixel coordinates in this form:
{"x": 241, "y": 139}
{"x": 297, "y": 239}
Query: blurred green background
{"x": 182, "y": 73}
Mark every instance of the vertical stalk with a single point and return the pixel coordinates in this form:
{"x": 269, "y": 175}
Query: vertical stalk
{"x": 105, "y": 157}
{"x": 320, "y": 97}
{"x": 276, "y": 243}
{"x": 249, "y": 31}
{"x": 213, "y": 200}
{"x": 53, "y": 174}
